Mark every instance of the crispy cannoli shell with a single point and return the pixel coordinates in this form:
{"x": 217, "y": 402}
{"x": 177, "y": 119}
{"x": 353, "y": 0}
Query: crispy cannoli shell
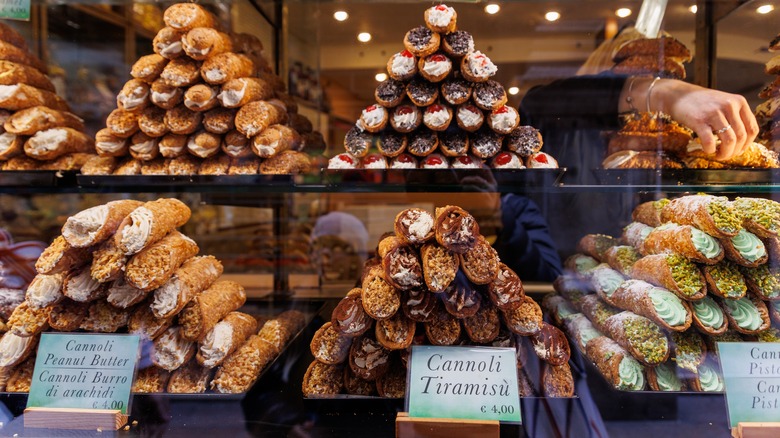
{"x": 194, "y": 276}
{"x": 167, "y": 43}
{"x": 14, "y": 73}
{"x": 596, "y": 245}
{"x": 201, "y": 42}
{"x": 391, "y": 249}
{"x": 711, "y": 331}
{"x": 414, "y": 225}
{"x": 244, "y": 166}
{"x": 210, "y": 306}
{"x": 96, "y": 224}
{"x": 148, "y": 68}
{"x": 655, "y": 269}
{"x": 439, "y": 266}
{"x": 10, "y": 36}
{"x": 286, "y": 163}
{"x": 186, "y": 16}
{"x": 171, "y": 350}
{"x": 239, "y": 92}
{"x": 183, "y": 165}
{"x": 143, "y": 322}
{"x": 79, "y": 285}
{"x": 634, "y": 235}
{"x": 181, "y": 72}
{"x": 597, "y": 311}
{"x": 109, "y": 145}
{"x": 20, "y": 96}
{"x": 27, "y": 321}
{"x": 254, "y": 117}
{"x": 15, "y": 349}
{"x": 225, "y": 67}
{"x": 649, "y": 213}
{"x": 216, "y": 165}
{"x": 712, "y": 285}
{"x": 751, "y": 223}
{"x": 61, "y": 257}
{"x": 154, "y": 265}
{"x": 10, "y": 52}
{"x": 380, "y": 299}
{"x": 244, "y": 366}
{"x": 104, "y": 318}
{"x": 190, "y": 378}
{"x": 607, "y": 355}
{"x": 618, "y": 260}
{"x": 676, "y": 239}
{"x": 242, "y": 326}
{"x": 173, "y": 145}
{"x": 236, "y": 145}
{"x": 11, "y": 145}
{"x": 219, "y": 120}
{"x": 763, "y": 312}
{"x": 44, "y": 291}
{"x": 67, "y": 315}
{"x": 165, "y": 96}
{"x": 772, "y": 245}
{"x": 455, "y": 229}
{"x": 615, "y": 328}
{"x": 151, "y": 380}
{"x": 56, "y": 142}
{"x": 22, "y": 162}
{"x": 274, "y": 140}
{"x": 692, "y": 210}
{"x": 201, "y": 97}
{"x": 130, "y": 166}
{"x": 557, "y": 380}
{"x": 68, "y": 162}
{"x": 733, "y": 254}
{"x": 123, "y": 124}
{"x": 480, "y": 263}
{"x": 634, "y": 295}
{"x": 160, "y": 216}
{"x": 40, "y": 118}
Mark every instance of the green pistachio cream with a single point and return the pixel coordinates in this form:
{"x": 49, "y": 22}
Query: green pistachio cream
{"x": 606, "y": 279}
{"x": 708, "y": 312}
{"x": 583, "y": 263}
{"x": 709, "y": 379}
{"x": 630, "y": 374}
{"x": 668, "y": 306}
{"x": 744, "y": 313}
{"x": 728, "y": 279}
{"x": 705, "y": 244}
{"x": 725, "y": 216}
{"x": 749, "y": 245}
{"x": 685, "y": 274}
{"x": 584, "y": 329}
{"x": 666, "y": 377}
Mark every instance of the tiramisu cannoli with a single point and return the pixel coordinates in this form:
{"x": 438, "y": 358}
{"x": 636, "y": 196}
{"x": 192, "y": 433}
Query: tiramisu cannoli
{"x": 225, "y": 67}
{"x": 184, "y": 165}
{"x": 390, "y": 92}
{"x": 405, "y": 118}
{"x": 356, "y": 386}
{"x": 11, "y": 145}
{"x": 414, "y": 225}
{"x": 149, "y": 223}
{"x": 156, "y": 263}
{"x": 181, "y": 72}
{"x": 148, "y": 68}
{"x": 419, "y": 304}
{"x": 421, "y": 41}
{"x": 56, "y": 142}
{"x": 422, "y": 142}
{"x": 480, "y": 263}
{"x": 759, "y": 216}
{"x": 108, "y": 262}
{"x": 143, "y": 322}
{"x": 330, "y": 346}
{"x": 349, "y": 318}
{"x": 557, "y": 380}
{"x": 655, "y": 303}
{"x": 524, "y": 319}
{"x": 206, "y": 309}
{"x": 484, "y": 325}
{"x": 40, "y": 118}
{"x": 380, "y": 299}
{"x": 745, "y": 249}
{"x": 392, "y": 384}
{"x": 455, "y": 229}
{"x": 60, "y": 256}
{"x": 165, "y": 96}
{"x": 442, "y": 328}
{"x": 201, "y": 42}
{"x": 190, "y": 378}
{"x": 322, "y": 379}
{"x": 713, "y": 215}
{"x": 708, "y": 317}
{"x": 143, "y": 147}
{"x": 201, "y": 97}
{"x": 400, "y": 263}
{"x": 172, "y": 145}
{"x": 154, "y": 121}
{"x": 16, "y": 73}
{"x": 203, "y": 144}
{"x": 225, "y": 338}
{"x": 66, "y": 315}
{"x": 254, "y": 117}
{"x": 439, "y": 266}
{"x": 621, "y": 370}
{"x": 151, "y": 380}
{"x": 238, "y": 92}
{"x": 167, "y": 43}
{"x": 402, "y": 66}
{"x": 421, "y": 92}
{"x": 134, "y": 96}
{"x": 216, "y": 165}
{"x": 550, "y": 345}
{"x": 186, "y": 16}
{"x": 20, "y": 96}
{"x": 763, "y": 281}
{"x": 454, "y": 143}
{"x": 274, "y": 140}
{"x": 434, "y": 67}
{"x": 172, "y": 350}
{"x": 506, "y": 289}
{"x": 194, "y": 276}
{"x": 673, "y": 272}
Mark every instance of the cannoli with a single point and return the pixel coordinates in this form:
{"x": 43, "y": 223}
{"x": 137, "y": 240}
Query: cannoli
{"x": 404, "y": 118}
{"x": 286, "y": 163}
{"x": 485, "y": 143}
{"x": 44, "y": 291}
{"x": 759, "y": 216}
{"x": 149, "y": 223}
{"x": 617, "y": 366}
{"x": 708, "y": 317}
{"x": 16, "y": 349}
{"x": 503, "y": 120}
{"x": 20, "y": 378}
{"x": 380, "y": 299}
{"x": 437, "y": 117}
{"x": 206, "y": 309}
{"x": 190, "y": 378}
{"x": 167, "y": 43}
{"x": 373, "y": 118}
{"x": 10, "y": 52}
{"x": 40, "y": 118}
{"x": 9, "y": 300}
{"x": 441, "y": 18}
{"x": 557, "y": 380}
{"x": 322, "y": 379}
{"x": 483, "y": 326}
{"x": 763, "y": 281}
{"x": 12, "y": 73}
{"x": 392, "y": 384}
{"x": 56, "y": 142}
{"x": 748, "y": 315}
{"x": 109, "y": 145}
{"x": 434, "y": 67}
{"x": 596, "y": 245}
{"x": 201, "y": 97}
{"x": 421, "y": 92}
{"x": 558, "y": 308}
{"x": 400, "y": 264}
{"x": 707, "y": 378}
{"x": 122, "y": 123}
{"x": 357, "y": 142}
{"x": 605, "y": 281}
{"x": 216, "y": 165}
{"x": 154, "y": 121}
{"x": 242, "y": 368}
{"x": 477, "y": 67}
{"x": 580, "y": 264}
{"x": 525, "y": 319}
{"x": 143, "y": 147}
{"x": 550, "y": 345}
{"x": 79, "y": 285}
{"x": 173, "y": 145}
{"x": 689, "y": 350}
{"x": 68, "y": 162}
{"x": 684, "y": 240}
{"x": 745, "y": 249}
{"x": 434, "y": 161}
{"x": 713, "y": 215}
{"x": 66, "y": 315}
{"x": 143, "y": 322}
{"x": 755, "y": 155}
{"x": 638, "y": 335}
{"x": 204, "y": 144}
{"x": 455, "y": 229}
{"x": 201, "y": 42}
{"x": 130, "y": 166}
{"x": 183, "y": 165}
{"x": 581, "y": 330}
{"x": 60, "y": 256}
{"x": 156, "y": 263}
{"x": 456, "y": 91}
{"x": 541, "y": 160}
{"x": 622, "y": 258}
{"x": 172, "y": 350}
{"x": 225, "y": 67}
{"x": 771, "y": 334}
{"x": 354, "y": 385}
{"x": 390, "y": 92}
{"x": 148, "y": 68}
{"x": 134, "y": 96}
{"x": 419, "y": 304}
{"x": 725, "y": 280}
{"x": 403, "y": 161}
{"x": 181, "y": 72}
{"x": 166, "y": 96}
{"x": 634, "y": 235}
{"x": 277, "y": 333}
{"x": 664, "y": 377}
{"x": 649, "y": 213}
{"x": 275, "y": 139}
{"x": 156, "y": 166}
{"x": 349, "y": 318}
{"x": 225, "y": 338}
{"x": 391, "y": 143}
{"x": 219, "y": 120}
{"x": 253, "y": 118}
{"x": 596, "y": 310}
{"x": 443, "y": 328}
{"x": 402, "y": 66}
{"x": 11, "y": 36}
{"x": 151, "y": 380}
{"x": 185, "y": 16}
{"x": 461, "y": 298}
{"x": 480, "y": 263}
{"x": 524, "y": 140}
{"x": 123, "y": 295}
{"x": 194, "y": 276}
{"x": 238, "y": 92}
{"x": 439, "y": 265}
{"x": 414, "y": 226}
{"x": 454, "y": 144}
{"x": 27, "y": 320}
{"x": 11, "y": 145}
{"x": 330, "y": 346}
{"x": 244, "y": 166}
{"x": 657, "y": 304}
{"x": 673, "y": 272}
{"x": 421, "y": 41}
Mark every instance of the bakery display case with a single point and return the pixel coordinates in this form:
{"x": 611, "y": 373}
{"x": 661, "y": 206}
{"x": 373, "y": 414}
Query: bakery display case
{"x": 296, "y": 177}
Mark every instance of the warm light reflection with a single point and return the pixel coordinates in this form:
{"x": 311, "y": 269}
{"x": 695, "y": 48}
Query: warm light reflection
{"x": 552, "y": 16}
{"x": 765, "y": 9}
{"x": 380, "y": 77}
{"x": 492, "y": 8}
{"x": 623, "y": 12}
{"x": 513, "y": 90}
{"x": 340, "y": 15}
{"x": 364, "y": 37}
{"x": 693, "y": 9}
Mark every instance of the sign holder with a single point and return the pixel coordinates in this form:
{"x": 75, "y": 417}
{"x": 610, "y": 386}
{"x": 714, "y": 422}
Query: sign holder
{"x": 407, "y": 427}
{"x": 71, "y": 418}
{"x": 756, "y": 430}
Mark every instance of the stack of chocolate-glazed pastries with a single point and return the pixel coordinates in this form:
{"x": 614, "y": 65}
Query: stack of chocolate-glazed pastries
{"x": 439, "y": 108}
{"x": 123, "y": 266}
{"x": 436, "y": 281}
{"x": 204, "y": 103}
{"x": 768, "y": 112}
{"x": 648, "y": 307}
{"x": 37, "y": 130}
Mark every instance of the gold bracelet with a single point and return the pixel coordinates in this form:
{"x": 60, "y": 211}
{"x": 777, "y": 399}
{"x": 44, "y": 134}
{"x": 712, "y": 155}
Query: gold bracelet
{"x": 650, "y": 90}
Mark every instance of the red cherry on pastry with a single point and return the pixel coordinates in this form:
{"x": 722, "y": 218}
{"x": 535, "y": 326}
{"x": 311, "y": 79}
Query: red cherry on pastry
{"x": 437, "y": 58}
{"x": 435, "y": 108}
{"x": 404, "y": 159}
{"x": 346, "y": 158}
{"x": 541, "y": 158}
{"x": 433, "y": 161}
{"x": 503, "y": 109}
{"x": 407, "y": 54}
{"x": 464, "y": 160}
{"x": 472, "y": 109}
{"x": 503, "y": 158}
{"x": 371, "y": 108}
{"x": 404, "y": 110}
{"x": 371, "y": 159}
{"x": 441, "y": 8}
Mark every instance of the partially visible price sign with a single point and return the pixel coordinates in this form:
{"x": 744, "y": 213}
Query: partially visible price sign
{"x": 15, "y": 9}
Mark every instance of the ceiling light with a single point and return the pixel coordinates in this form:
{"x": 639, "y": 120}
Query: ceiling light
{"x": 552, "y": 16}
{"x": 492, "y": 8}
{"x": 765, "y": 9}
{"x": 364, "y": 37}
{"x": 380, "y": 77}
{"x": 340, "y": 15}
{"x": 513, "y": 90}
{"x": 693, "y": 9}
{"x": 623, "y": 12}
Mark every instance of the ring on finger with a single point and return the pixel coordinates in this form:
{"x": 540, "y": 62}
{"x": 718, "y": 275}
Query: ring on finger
{"x": 722, "y": 130}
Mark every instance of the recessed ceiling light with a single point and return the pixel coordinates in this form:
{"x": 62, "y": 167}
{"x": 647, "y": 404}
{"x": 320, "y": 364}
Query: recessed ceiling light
{"x": 340, "y": 15}
{"x": 765, "y": 9}
{"x": 552, "y": 16}
{"x": 380, "y": 77}
{"x": 623, "y": 12}
{"x": 364, "y": 37}
{"x": 693, "y": 9}
{"x": 513, "y": 90}
{"x": 492, "y": 8}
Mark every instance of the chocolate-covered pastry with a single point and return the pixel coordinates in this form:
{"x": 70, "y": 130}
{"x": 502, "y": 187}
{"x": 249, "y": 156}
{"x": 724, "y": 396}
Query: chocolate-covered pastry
{"x": 390, "y": 92}
{"x": 330, "y": 346}
{"x": 524, "y": 140}
{"x": 400, "y": 263}
{"x": 480, "y": 263}
{"x": 368, "y": 359}
{"x": 443, "y": 328}
{"x": 391, "y": 144}
{"x": 550, "y": 345}
{"x": 483, "y": 326}
{"x": 396, "y": 332}
{"x": 349, "y": 318}
{"x": 422, "y": 142}
{"x": 506, "y": 290}
{"x": 461, "y": 298}
{"x": 422, "y": 92}
{"x": 455, "y": 229}
{"x": 419, "y": 304}
{"x": 486, "y": 143}
{"x": 356, "y": 386}
{"x": 454, "y": 143}
{"x": 557, "y": 380}
{"x": 489, "y": 95}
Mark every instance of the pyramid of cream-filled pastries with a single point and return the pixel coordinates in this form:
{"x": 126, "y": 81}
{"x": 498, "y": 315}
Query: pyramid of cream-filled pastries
{"x": 440, "y": 109}
{"x": 436, "y": 281}
{"x": 123, "y": 266}
{"x": 204, "y": 103}
{"x": 648, "y": 308}
{"x": 37, "y": 130}
{"x": 768, "y": 112}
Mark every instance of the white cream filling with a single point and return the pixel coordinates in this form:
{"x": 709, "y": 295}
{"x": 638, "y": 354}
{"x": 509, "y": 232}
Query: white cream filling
{"x": 159, "y": 97}
{"x": 29, "y": 118}
{"x": 480, "y": 65}
{"x": 215, "y": 75}
{"x": 47, "y": 141}
{"x": 437, "y": 68}
{"x": 166, "y": 297}
{"x": 405, "y": 120}
{"x": 440, "y": 18}
{"x": 436, "y": 118}
{"x": 121, "y": 294}
{"x": 169, "y": 49}
{"x": 110, "y": 146}
{"x": 442, "y": 165}
{"x": 81, "y": 287}
{"x": 266, "y": 150}
{"x": 6, "y": 141}
{"x": 378, "y": 164}
{"x": 473, "y": 164}
{"x": 198, "y": 52}
{"x": 189, "y": 103}
{"x": 217, "y": 344}
{"x": 7, "y": 91}
{"x": 514, "y": 163}
{"x": 420, "y": 227}
{"x": 402, "y": 65}
{"x": 170, "y": 148}
{"x": 134, "y": 236}
{"x": 402, "y": 165}
{"x": 338, "y": 163}
{"x": 373, "y": 117}
{"x": 504, "y": 121}
{"x": 144, "y": 147}
{"x": 200, "y": 151}
{"x": 44, "y": 290}
{"x": 231, "y": 98}
{"x": 233, "y": 149}
{"x": 11, "y": 348}
{"x": 468, "y": 117}
{"x": 81, "y": 228}
{"x": 133, "y": 100}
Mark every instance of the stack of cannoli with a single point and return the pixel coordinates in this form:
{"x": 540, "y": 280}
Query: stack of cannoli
{"x": 663, "y": 57}
{"x": 123, "y": 267}
{"x": 436, "y": 281}
{"x": 687, "y": 273}
{"x": 768, "y": 112}
{"x": 440, "y": 109}
{"x": 37, "y": 130}
{"x": 204, "y": 103}
{"x": 17, "y": 270}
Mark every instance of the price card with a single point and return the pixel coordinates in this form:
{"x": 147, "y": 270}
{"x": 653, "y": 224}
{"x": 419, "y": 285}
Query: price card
{"x": 84, "y": 371}
{"x": 751, "y": 372}
{"x": 476, "y": 383}
{"x": 15, "y": 9}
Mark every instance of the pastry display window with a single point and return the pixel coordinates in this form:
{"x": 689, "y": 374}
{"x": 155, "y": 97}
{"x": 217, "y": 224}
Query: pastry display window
{"x": 331, "y": 183}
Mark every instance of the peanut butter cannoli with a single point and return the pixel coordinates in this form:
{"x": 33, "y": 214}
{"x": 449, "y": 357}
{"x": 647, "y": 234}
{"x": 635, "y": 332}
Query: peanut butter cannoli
{"x": 44, "y": 291}
{"x": 242, "y": 368}
{"x": 605, "y": 281}
{"x": 329, "y": 346}
{"x": 506, "y": 290}
{"x": 173, "y": 145}
{"x": 105, "y": 318}
{"x": 759, "y": 216}
{"x": 134, "y": 96}
{"x": 639, "y": 336}
{"x": 96, "y": 224}
{"x": 622, "y": 258}
{"x": 617, "y": 366}
{"x": 16, "y": 349}
{"x": 286, "y": 163}
{"x": 40, "y": 118}
{"x": 204, "y": 144}
{"x": 455, "y": 229}
{"x": 745, "y": 249}
{"x": 689, "y": 350}
{"x": 664, "y": 377}
{"x": 56, "y": 142}
{"x": 20, "y": 96}
{"x": 368, "y": 359}
{"x": 274, "y": 140}
{"x": 708, "y": 317}
{"x": 167, "y": 43}
{"x": 11, "y": 145}
{"x": 172, "y": 350}
{"x": 154, "y": 265}
{"x": 524, "y": 320}
{"x": 277, "y": 333}
{"x": 748, "y": 315}
{"x": 108, "y": 263}
{"x": 12, "y": 53}
{"x": 654, "y": 303}
{"x": 635, "y": 233}
{"x": 219, "y": 120}
{"x": 206, "y": 309}
{"x": 181, "y": 72}
{"x": 201, "y": 42}
{"x": 185, "y": 16}
{"x": 414, "y": 225}
{"x": 78, "y": 285}
{"x": 225, "y": 67}
{"x": 396, "y": 332}
{"x": 66, "y": 316}
{"x": 236, "y": 145}
{"x": 225, "y": 338}
{"x": 597, "y": 311}
{"x": 26, "y": 321}
{"x": 190, "y": 378}
{"x": 400, "y": 264}
{"x": 181, "y": 120}
{"x": 149, "y": 223}
{"x": 184, "y": 165}
{"x": 480, "y": 263}
{"x": 349, "y": 318}
{"x": 155, "y": 166}
{"x": 596, "y": 245}
{"x": 143, "y": 322}
{"x": 322, "y": 380}
{"x": 216, "y": 165}
{"x": 12, "y": 73}
{"x": 123, "y": 295}
{"x": 60, "y": 256}
{"x": 763, "y": 281}
{"x": 9, "y": 299}
{"x": 194, "y": 276}
{"x": 439, "y": 266}
{"x": 201, "y": 97}
{"x": 151, "y": 380}
{"x": 68, "y": 162}
{"x": 20, "y": 378}
{"x": 238, "y": 92}
{"x": 673, "y": 272}
{"x": 148, "y": 68}
{"x": 380, "y": 299}
{"x": 725, "y": 280}
{"x": 244, "y": 166}
{"x": 165, "y": 96}
{"x": 122, "y": 124}
{"x": 152, "y": 122}
{"x": 109, "y": 145}
{"x": 255, "y": 117}
{"x": 684, "y": 240}
{"x": 713, "y": 215}
{"x": 557, "y": 380}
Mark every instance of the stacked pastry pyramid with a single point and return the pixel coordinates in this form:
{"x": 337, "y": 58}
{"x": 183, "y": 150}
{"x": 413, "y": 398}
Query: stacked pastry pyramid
{"x": 436, "y": 281}
{"x": 663, "y": 57}
{"x": 648, "y": 308}
{"x": 204, "y": 103}
{"x": 37, "y": 131}
{"x": 440, "y": 109}
{"x": 123, "y": 266}
{"x": 768, "y": 113}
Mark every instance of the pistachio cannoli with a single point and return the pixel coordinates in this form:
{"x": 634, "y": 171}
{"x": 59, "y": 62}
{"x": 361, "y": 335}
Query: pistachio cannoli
{"x": 639, "y": 336}
{"x": 109, "y": 145}
{"x": 748, "y": 315}
{"x": 44, "y": 291}
{"x": 154, "y": 265}
{"x": 745, "y": 249}
{"x": 774, "y": 311}
{"x": 56, "y": 142}
{"x": 622, "y": 258}
{"x": 649, "y": 213}
{"x": 597, "y": 311}
{"x": 634, "y": 234}
{"x": 580, "y": 264}
{"x": 725, "y": 280}
{"x": 414, "y": 225}
{"x": 165, "y": 96}
{"x": 225, "y": 67}
{"x": 14, "y": 349}
{"x": 684, "y": 240}
{"x": 771, "y": 334}
{"x": 707, "y": 379}
{"x": 380, "y": 299}
{"x": 190, "y": 378}
{"x": 184, "y": 165}
{"x": 605, "y": 281}
{"x": 275, "y": 139}
{"x": 201, "y": 42}
{"x": 664, "y": 377}
{"x": 673, "y": 272}
{"x": 254, "y": 117}
{"x": 655, "y": 303}
{"x": 727, "y": 336}
{"x": 194, "y": 276}
{"x": 581, "y": 330}
{"x": 711, "y": 214}
{"x": 239, "y": 92}
{"x": 243, "y": 367}
{"x": 225, "y": 338}
{"x": 455, "y": 229}
{"x": 759, "y": 216}
{"x": 173, "y": 145}
{"x": 400, "y": 264}
{"x": 506, "y": 290}
{"x": 149, "y": 223}
{"x": 66, "y": 316}
{"x": 40, "y": 118}
{"x": 21, "y": 96}
{"x": 708, "y": 317}
{"x": 763, "y": 281}
{"x": 219, "y": 121}
{"x": 60, "y": 256}
{"x": 11, "y": 145}
{"x": 148, "y": 68}
{"x": 144, "y": 323}
{"x": 439, "y": 266}
{"x": 134, "y": 96}
{"x": 206, "y": 309}
{"x": 558, "y": 308}
{"x": 181, "y": 72}
{"x": 172, "y": 350}
{"x": 167, "y": 43}
{"x": 151, "y": 380}
{"x": 185, "y": 16}
{"x": 596, "y": 245}
{"x": 617, "y": 366}
{"x": 772, "y": 245}
{"x": 689, "y": 350}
